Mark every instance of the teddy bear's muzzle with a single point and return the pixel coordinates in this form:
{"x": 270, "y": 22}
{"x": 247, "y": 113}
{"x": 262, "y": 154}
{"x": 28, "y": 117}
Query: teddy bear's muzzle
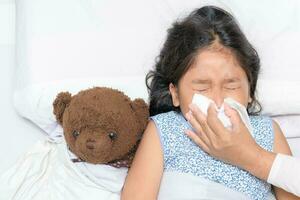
{"x": 94, "y": 149}
{"x": 91, "y": 144}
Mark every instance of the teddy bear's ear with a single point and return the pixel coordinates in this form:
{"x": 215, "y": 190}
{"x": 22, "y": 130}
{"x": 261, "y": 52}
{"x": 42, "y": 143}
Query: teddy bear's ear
{"x": 141, "y": 110}
{"x": 62, "y": 100}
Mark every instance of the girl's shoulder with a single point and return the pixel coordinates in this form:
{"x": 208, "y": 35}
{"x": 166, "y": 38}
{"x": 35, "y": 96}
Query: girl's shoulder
{"x": 260, "y": 120}
{"x": 166, "y": 115}
{"x": 169, "y": 120}
{"x": 262, "y": 124}
{"x": 263, "y": 131}
{"x": 259, "y": 117}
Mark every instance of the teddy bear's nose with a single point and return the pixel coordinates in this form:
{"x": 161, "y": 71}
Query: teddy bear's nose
{"x": 90, "y": 144}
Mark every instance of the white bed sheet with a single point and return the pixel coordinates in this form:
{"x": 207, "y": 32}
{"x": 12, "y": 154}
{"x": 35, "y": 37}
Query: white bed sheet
{"x": 295, "y": 146}
{"x": 289, "y": 125}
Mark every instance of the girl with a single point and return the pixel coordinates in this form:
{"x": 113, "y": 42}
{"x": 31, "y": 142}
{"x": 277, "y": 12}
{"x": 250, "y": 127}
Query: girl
{"x": 205, "y": 53}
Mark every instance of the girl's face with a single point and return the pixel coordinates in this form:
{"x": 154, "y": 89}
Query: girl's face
{"x": 215, "y": 74}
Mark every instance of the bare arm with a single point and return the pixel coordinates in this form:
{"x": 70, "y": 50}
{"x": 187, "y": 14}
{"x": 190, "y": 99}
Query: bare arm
{"x": 144, "y": 176}
{"x": 281, "y": 146}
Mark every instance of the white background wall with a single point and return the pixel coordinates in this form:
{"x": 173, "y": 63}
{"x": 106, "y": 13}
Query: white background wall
{"x": 13, "y": 127}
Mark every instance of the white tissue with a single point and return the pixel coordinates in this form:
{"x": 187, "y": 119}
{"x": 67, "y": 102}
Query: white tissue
{"x": 203, "y": 103}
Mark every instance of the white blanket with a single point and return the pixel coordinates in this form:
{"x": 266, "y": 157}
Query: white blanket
{"x": 46, "y": 173}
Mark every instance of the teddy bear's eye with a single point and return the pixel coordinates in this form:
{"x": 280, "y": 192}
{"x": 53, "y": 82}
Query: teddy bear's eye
{"x": 112, "y": 135}
{"x": 75, "y": 134}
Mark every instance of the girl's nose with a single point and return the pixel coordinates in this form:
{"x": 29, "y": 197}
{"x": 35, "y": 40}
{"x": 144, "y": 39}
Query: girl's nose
{"x": 218, "y": 99}
{"x": 219, "y": 103}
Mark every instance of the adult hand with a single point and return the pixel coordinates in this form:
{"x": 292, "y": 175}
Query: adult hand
{"x": 235, "y": 146}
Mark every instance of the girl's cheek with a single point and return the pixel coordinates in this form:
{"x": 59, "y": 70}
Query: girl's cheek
{"x": 242, "y": 99}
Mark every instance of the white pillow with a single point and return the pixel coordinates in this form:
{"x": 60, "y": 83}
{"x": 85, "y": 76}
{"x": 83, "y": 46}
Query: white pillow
{"x": 279, "y": 97}
{"x": 35, "y": 102}
{"x": 289, "y": 125}
{"x": 75, "y": 44}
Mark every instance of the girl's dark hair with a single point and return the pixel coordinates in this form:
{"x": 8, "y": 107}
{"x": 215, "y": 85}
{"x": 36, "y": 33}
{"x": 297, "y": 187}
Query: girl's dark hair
{"x": 184, "y": 40}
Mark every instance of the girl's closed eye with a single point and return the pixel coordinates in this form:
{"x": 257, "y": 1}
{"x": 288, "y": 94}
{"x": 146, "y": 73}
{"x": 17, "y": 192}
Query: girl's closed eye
{"x": 201, "y": 85}
{"x": 203, "y": 89}
{"x": 232, "y": 86}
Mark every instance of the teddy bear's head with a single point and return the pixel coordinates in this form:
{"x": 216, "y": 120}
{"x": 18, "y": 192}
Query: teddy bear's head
{"x": 100, "y": 124}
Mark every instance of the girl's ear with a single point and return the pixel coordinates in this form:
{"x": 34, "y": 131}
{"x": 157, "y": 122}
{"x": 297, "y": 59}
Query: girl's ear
{"x": 249, "y": 100}
{"x": 61, "y": 102}
{"x": 174, "y": 93}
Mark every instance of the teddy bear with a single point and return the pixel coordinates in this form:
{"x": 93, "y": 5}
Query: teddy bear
{"x": 101, "y": 125}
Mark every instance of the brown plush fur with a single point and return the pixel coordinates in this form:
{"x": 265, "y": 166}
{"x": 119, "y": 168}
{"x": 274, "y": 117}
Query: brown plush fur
{"x": 100, "y": 124}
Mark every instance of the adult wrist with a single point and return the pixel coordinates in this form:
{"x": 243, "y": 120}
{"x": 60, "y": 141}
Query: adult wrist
{"x": 261, "y": 164}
